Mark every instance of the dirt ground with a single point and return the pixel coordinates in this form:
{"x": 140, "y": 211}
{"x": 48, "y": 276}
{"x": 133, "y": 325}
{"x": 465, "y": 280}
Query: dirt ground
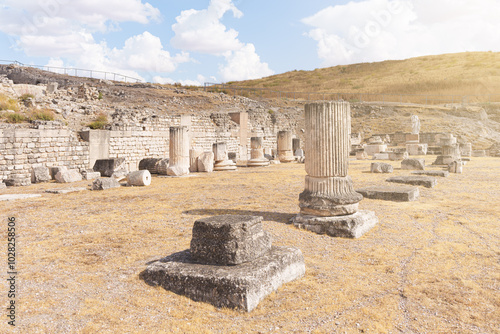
{"x": 430, "y": 266}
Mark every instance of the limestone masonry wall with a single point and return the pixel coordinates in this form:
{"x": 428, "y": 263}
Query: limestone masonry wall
{"x": 22, "y": 149}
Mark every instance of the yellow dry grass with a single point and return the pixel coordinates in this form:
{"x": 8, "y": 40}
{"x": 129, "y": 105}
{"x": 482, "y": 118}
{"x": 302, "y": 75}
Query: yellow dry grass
{"x": 469, "y": 73}
{"x": 429, "y": 266}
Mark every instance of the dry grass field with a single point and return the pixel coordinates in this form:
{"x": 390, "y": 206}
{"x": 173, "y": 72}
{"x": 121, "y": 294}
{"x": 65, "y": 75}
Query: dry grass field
{"x": 431, "y": 266}
{"x": 459, "y": 74}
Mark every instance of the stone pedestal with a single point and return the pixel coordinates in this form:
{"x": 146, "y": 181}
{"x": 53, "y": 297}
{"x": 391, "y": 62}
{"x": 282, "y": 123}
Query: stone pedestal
{"x": 178, "y": 151}
{"x": 329, "y": 191}
{"x": 221, "y": 158}
{"x": 231, "y": 263}
{"x": 257, "y": 158}
{"x": 285, "y": 146}
{"x": 450, "y": 153}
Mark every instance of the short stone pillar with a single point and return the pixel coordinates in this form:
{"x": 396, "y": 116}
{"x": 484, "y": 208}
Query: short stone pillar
{"x": 295, "y": 144}
{"x": 178, "y": 151}
{"x": 231, "y": 263}
{"x": 285, "y": 146}
{"x": 257, "y": 158}
{"x": 329, "y": 203}
{"x": 194, "y": 154}
{"x": 221, "y": 159}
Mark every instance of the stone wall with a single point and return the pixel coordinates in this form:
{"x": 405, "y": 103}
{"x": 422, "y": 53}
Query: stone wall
{"x": 22, "y": 149}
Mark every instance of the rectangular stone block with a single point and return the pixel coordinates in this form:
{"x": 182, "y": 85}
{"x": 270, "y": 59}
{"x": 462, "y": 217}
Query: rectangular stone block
{"x": 414, "y": 180}
{"x": 396, "y": 194}
{"x": 440, "y": 173}
{"x": 229, "y": 239}
{"x": 242, "y": 286}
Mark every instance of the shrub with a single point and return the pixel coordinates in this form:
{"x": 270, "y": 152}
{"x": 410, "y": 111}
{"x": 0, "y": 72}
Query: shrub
{"x": 26, "y": 96}
{"x": 15, "y": 118}
{"x": 7, "y": 103}
{"x": 99, "y": 122}
{"x": 42, "y": 115}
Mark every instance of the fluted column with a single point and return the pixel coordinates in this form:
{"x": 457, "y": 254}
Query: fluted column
{"x": 285, "y": 146}
{"x": 257, "y": 153}
{"x": 178, "y": 151}
{"x": 328, "y": 189}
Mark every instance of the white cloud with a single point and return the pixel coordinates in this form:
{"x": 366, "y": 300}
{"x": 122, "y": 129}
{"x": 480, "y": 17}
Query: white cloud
{"x": 373, "y": 30}
{"x": 244, "y": 64}
{"x": 202, "y": 31}
{"x": 63, "y": 29}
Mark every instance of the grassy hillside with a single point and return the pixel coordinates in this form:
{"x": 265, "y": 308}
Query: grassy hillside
{"x": 470, "y": 73}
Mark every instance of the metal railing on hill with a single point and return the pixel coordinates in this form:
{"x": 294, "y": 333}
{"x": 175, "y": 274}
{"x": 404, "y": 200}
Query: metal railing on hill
{"x": 77, "y": 72}
{"x": 428, "y": 99}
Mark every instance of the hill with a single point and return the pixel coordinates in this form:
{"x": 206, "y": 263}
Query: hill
{"x": 460, "y": 74}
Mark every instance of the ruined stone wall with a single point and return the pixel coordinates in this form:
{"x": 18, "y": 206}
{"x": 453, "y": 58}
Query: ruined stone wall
{"x": 22, "y": 149}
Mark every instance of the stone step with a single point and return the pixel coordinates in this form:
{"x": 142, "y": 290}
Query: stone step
{"x": 414, "y": 180}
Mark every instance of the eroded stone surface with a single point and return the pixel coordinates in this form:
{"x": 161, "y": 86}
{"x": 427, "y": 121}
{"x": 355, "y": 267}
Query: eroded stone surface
{"x": 206, "y": 162}
{"x": 242, "y": 286}
{"x": 68, "y": 176}
{"x": 349, "y": 226}
{"x": 229, "y": 239}
{"x": 139, "y": 178}
{"x": 65, "y": 190}
{"x": 413, "y": 164}
{"x": 105, "y": 183}
{"x": 380, "y": 167}
{"x": 109, "y": 166}
{"x": 40, "y": 174}
{"x": 415, "y": 180}
{"x": 390, "y": 193}
{"x": 440, "y": 173}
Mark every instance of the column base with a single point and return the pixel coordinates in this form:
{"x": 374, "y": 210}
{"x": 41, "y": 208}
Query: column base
{"x": 349, "y": 226}
{"x": 257, "y": 162}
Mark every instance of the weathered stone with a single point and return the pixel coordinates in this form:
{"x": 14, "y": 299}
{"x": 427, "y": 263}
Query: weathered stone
{"x": 380, "y": 167}
{"x": 257, "y": 158}
{"x": 162, "y": 166}
{"x": 3, "y": 185}
{"x": 206, "y": 162}
{"x": 229, "y": 239}
{"x": 415, "y": 180}
{"x": 440, "y": 173}
{"x": 178, "y": 151}
{"x": 52, "y": 87}
{"x": 120, "y": 174}
{"x": 12, "y": 197}
{"x": 64, "y": 191}
{"x": 328, "y": 189}
{"x": 40, "y": 174}
{"x": 456, "y": 167}
{"x": 139, "y": 178}
{"x": 54, "y": 170}
{"x": 193, "y": 160}
{"x": 299, "y": 152}
{"x": 69, "y": 176}
{"x": 371, "y": 149}
{"x": 90, "y": 175}
{"x": 108, "y": 166}
{"x": 221, "y": 159}
{"x": 241, "y": 286}
{"x": 18, "y": 180}
{"x": 151, "y": 164}
{"x": 398, "y": 155}
{"x": 285, "y": 146}
{"x": 105, "y": 183}
{"x": 348, "y": 226}
{"x": 274, "y": 162}
{"x": 381, "y": 156}
{"x": 396, "y": 194}
{"x": 479, "y": 153}
{"x": 416, "y": 149}
{"x": 361, "y": 155}
{"x": 413, "y": 164}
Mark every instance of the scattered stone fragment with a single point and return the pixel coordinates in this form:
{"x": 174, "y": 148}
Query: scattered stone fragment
{"x": 11, "y": 197}
{"x": 105, "y": 183}
{"x": 380, "y": 167}
{"x": 64, "y": 191}
{"x": 415, "y": 180}
{"x": 109, "y": 166}
{"x": 206, "y": 162}
{"x": 274, "y": 162}
{"x": 54, "y": 170}
{"x": 390, "y": 193}
{"x": 381, "y": 156}
{"x": 456, "y": 167}
{"x": 40, "y": 174}
{"x": 68, "y": 176}
{"x": 139, "y": 178}
{"x": 151, "y": 164}
{"x": 89, "y": 174}
{"x": 440, "y": 173}
{"x": 413, "y": 164}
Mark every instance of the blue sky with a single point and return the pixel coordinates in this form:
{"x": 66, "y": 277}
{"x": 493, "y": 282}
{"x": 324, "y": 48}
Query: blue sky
{"x": 195, "y": 41}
